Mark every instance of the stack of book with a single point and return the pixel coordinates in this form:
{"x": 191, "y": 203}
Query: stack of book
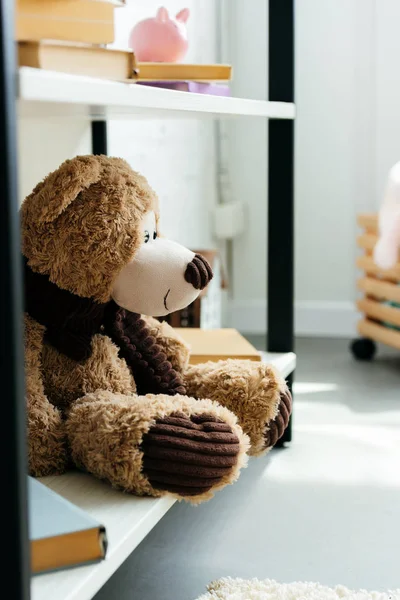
{"x": 71, "y": 36}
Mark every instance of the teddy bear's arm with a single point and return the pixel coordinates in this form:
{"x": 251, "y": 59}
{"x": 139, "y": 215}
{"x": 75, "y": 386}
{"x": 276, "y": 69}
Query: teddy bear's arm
{"x": 46, "y": 434}
{"x": 175, "y": 348}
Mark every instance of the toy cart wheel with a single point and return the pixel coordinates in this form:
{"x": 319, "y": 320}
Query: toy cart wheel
{"x": 363, "y": 349}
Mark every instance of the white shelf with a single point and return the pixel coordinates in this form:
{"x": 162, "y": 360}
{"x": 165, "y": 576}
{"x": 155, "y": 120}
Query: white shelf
{"x": 127, "y": 519}
{"x": 284, "y": 362}
{"x": 47, "y": 93}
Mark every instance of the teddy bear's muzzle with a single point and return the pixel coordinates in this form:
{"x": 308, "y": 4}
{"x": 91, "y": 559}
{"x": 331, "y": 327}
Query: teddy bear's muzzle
{"x": 162, "y": 277}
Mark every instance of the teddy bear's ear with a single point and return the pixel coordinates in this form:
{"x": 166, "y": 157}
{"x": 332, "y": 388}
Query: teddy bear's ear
{"x": 56, "y": 192}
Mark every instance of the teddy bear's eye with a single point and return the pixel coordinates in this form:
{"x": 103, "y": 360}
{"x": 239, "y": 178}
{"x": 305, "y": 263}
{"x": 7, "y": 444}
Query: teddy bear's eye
{"x": 155, "y": 235}
{"x": 146, "y": 236}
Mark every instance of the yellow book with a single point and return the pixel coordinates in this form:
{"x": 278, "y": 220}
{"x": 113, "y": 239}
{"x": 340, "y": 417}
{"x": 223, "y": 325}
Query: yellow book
{"x": 86, "y": 21}
{"x": 61, "y": 534}
{"x": 91, "y": 61}
{"x": 149, "y": 71}
{"x": 216, "y": 344}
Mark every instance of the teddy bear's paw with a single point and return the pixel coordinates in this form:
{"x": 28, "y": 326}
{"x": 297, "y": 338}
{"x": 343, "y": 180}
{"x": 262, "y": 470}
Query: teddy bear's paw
{"x": 254, "y": 391}
{"x": 191, "y": 456}
{"x": 276, "y": 428}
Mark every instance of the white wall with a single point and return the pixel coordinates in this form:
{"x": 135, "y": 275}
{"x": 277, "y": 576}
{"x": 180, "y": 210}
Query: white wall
{"x": 177, "y": 156}
{"x": 247, "y": 156}
{"x": 43, "y": 144}
{"x": 328, "y": 52}
{"x": 347, "y": 136}
{"x": 387, "y": 88}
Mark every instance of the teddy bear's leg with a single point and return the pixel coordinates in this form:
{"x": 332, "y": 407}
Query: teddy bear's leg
{"x": 150, "y": 445}
{"x": 254, "y": 391}
{"x": 47, "y": 452}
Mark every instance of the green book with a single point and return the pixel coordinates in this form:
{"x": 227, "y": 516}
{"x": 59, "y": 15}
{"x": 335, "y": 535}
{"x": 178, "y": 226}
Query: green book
{"x": 61, "y": 534}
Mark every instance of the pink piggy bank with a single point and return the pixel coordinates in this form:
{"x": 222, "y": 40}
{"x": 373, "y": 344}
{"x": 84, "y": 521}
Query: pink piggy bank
{"x": 161, "y": 38}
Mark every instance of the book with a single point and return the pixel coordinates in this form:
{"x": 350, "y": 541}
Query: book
{"x": 78, "y": 59}
{"x": 86, "y": 21}
{"x": 61, "y": 534}
{"x": 217, "y": 344}
{"x": 149, "y": 71}
{"x": 195, "y": 87}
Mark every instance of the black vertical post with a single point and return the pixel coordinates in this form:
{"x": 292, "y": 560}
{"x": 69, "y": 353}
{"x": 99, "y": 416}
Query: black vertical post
{"x": 13, "y": 436}
{"x": 280, "y": 302}
{"x": 99, "y": 137}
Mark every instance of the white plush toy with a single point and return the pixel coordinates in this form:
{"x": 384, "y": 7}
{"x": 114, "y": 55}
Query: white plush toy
{"x": 387, "y": 249}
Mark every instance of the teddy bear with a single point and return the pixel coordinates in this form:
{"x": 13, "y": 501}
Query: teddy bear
{"x": 109, "y": 387}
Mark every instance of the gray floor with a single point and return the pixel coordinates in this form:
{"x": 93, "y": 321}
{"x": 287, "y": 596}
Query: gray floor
{"x": 325, "y": 509}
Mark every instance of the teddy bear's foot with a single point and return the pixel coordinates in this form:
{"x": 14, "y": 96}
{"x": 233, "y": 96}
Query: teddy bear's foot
{"x": 152, "y": 445}
{"x": 190, "y": 456}
{"x": 255, "y": 392}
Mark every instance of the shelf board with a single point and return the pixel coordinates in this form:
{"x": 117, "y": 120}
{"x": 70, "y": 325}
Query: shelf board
{"x": 128, "y": 519}
{"x": 285, "y": 362}
{"x": 47, "y": 93}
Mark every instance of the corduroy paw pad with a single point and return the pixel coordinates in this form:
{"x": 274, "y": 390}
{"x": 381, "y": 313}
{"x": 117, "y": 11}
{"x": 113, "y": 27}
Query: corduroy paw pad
{"x": 277, "y": 428}
{"x": 189, "y": 456}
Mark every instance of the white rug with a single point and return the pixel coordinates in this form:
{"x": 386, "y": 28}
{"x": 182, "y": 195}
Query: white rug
{"x": 254, "y": 589}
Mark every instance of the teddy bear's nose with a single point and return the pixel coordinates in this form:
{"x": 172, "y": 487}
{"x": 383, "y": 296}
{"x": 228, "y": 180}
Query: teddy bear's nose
{"x": 198, "y": 272}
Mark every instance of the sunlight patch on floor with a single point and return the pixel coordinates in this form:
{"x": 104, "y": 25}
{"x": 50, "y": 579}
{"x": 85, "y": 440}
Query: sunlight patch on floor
{"x": 313, "y": 387}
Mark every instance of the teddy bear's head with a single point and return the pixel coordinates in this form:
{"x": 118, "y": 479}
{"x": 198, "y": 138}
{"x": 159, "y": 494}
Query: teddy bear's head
{"x": 91, "y": 227}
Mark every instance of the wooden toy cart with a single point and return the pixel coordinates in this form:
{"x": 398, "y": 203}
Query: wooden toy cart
{"x": 380, "y": 305}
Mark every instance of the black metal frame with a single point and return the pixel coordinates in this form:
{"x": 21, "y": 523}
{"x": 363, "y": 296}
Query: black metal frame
{"x": 99, "y": 137}
{"x": 280, "y": 252}
{"x": 13, "y": 437}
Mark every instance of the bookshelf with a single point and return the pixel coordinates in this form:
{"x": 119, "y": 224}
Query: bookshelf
{"x": 45, "y": 94}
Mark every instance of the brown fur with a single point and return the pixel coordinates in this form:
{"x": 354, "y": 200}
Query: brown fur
{"x": 80, "y": 226}
{"x": 65, "y": 379}
{"x": 46, "y": 433}
{"x": 64, "y": 219}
